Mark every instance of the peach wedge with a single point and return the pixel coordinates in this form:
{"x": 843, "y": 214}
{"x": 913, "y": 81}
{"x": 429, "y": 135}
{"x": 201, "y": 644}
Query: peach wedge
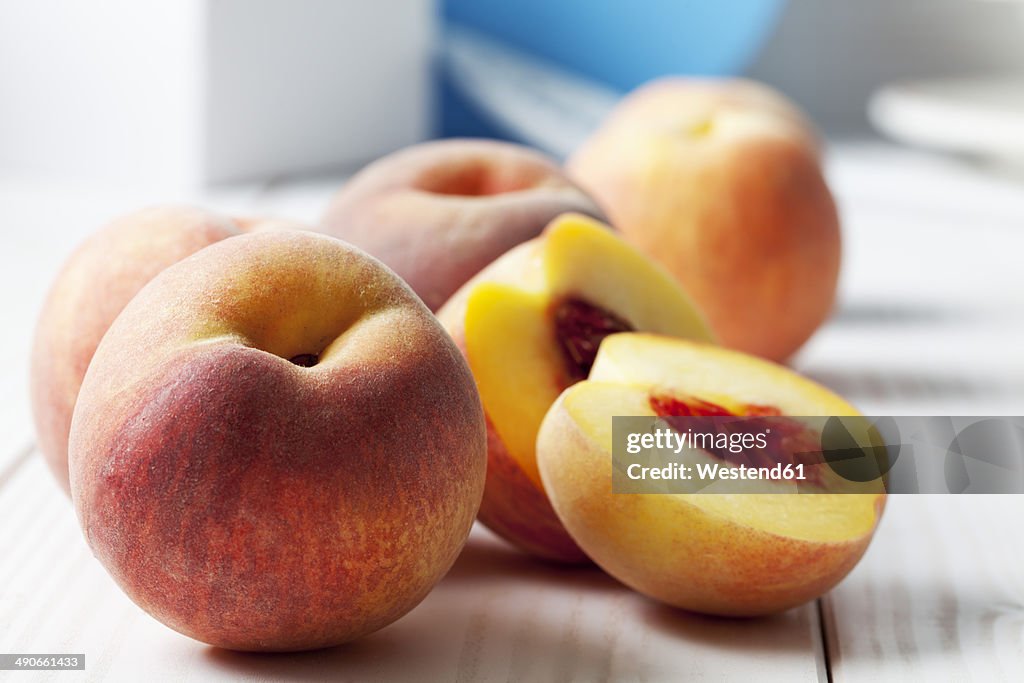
{"x": 739, "y": 554}
{"x": 530, "y": 325}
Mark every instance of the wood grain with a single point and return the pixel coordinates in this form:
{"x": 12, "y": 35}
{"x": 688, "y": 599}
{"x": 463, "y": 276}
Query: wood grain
{"x": 939, "y": 596}
{"x": 497, "y": 616}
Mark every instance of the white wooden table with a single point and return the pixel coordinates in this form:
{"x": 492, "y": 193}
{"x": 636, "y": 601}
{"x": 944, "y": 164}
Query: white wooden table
{"x": 931, "y": 321}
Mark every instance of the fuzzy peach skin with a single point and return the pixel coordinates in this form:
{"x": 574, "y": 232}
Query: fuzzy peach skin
{"x": 720, "y": 182}
{"x": 96, "y": 282}
{"x": 276, "y": 446}
{"x": 439, "y": 212}
{"x": 529, "y": 325}
{"x": 726, "y": 553}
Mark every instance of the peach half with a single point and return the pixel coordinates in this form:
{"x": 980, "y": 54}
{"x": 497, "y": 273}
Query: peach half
{"x": 737, "y": 554}
{"x": 530, "y": 325}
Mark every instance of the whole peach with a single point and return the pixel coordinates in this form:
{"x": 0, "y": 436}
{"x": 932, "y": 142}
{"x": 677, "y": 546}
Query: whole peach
{"x": 96, "y": 282}
{"x": 277, "y": 446}
{"x": 720, "y": 182}
{"x": 439, "y": 212}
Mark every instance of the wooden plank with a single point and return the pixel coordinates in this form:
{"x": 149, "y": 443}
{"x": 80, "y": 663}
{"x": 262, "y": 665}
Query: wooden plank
{"x": 930, "y": 323}
{"x": 497, "y": 616}
{"x": 939, "y": 596}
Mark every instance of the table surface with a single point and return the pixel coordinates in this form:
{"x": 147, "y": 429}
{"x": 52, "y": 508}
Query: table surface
{"x": 930, "y": 321}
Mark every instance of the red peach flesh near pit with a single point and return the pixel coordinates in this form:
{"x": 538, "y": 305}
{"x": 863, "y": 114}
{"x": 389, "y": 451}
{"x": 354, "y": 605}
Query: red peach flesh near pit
{"x": 580, "y": 327}
{"x": 789, "y": 441}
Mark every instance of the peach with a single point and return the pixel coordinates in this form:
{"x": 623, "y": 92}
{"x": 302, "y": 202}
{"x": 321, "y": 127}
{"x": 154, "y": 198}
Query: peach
{"x": 439, "y": 212}
{"x": 96, "y": 282}
{"x": 530, "y": 325}
{"x": 277, "y": 446}
{"x": 266, "y": 223}
{"x": 720, "y": 182}
{"x": 727, "y": 553}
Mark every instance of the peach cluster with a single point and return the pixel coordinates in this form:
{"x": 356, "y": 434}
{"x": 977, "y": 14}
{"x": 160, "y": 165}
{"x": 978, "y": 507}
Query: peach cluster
{"x": 275, "y": 441}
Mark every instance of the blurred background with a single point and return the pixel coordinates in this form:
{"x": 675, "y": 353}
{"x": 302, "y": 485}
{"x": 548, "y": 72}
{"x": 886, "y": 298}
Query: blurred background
{"x": 266, "y": 106}
{"x": 192, "y": 93}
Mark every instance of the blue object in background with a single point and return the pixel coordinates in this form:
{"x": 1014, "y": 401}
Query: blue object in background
{"x": 619, "y": 42}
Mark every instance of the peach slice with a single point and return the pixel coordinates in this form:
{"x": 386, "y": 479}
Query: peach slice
{"x": 530, "y": 325}
{"x": 718, "y": 553}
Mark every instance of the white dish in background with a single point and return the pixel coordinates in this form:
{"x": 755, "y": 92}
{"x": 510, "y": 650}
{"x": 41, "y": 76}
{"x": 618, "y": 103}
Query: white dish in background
{"x": 978, "y": 116}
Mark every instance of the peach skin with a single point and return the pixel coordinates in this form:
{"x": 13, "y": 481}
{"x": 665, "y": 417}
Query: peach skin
{"x": 276, "y": 445}
{"x": 439, "y": 212}
{"x": 720, "y": 182}
{"x": 96, "y": 282}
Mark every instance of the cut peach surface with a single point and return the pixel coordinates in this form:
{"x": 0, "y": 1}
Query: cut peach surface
{"x": 720, "y": 553}
{"x": 530, "y": 325}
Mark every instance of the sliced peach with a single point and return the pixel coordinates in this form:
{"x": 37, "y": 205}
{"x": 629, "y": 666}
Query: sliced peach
{"x": 721, "y": 553}
{"x": 530, "y": 325}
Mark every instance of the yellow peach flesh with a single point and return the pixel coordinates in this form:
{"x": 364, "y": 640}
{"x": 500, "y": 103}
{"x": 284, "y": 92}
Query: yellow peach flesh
{"x": 732, "y": 554}
{"x": 504, "y": 321}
